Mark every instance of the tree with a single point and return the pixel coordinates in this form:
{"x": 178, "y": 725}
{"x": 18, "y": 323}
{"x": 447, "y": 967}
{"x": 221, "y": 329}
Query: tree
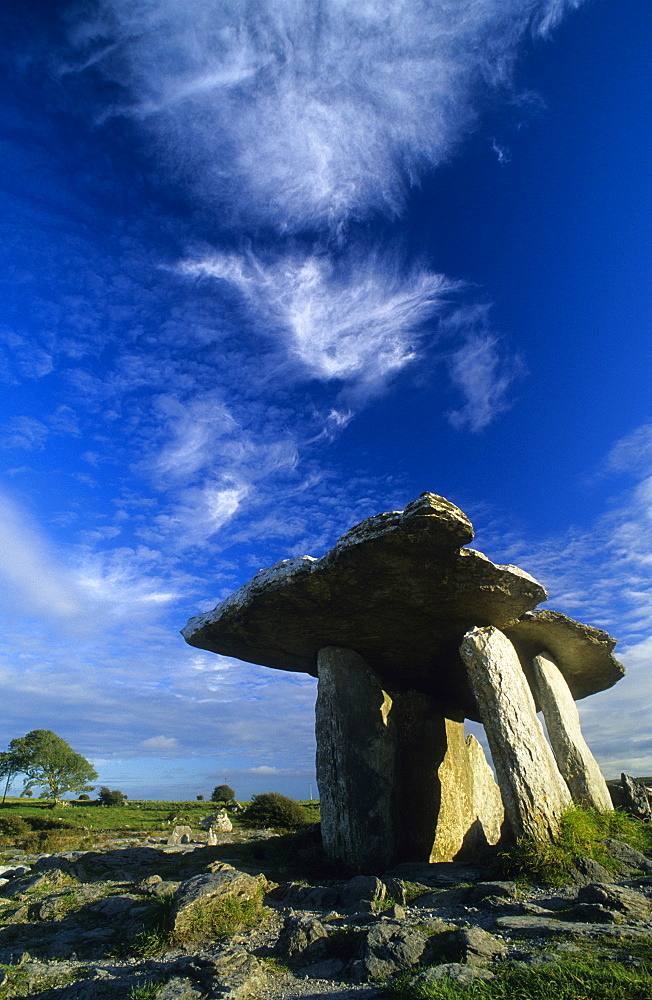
{"x": 111, "y": 798}
{"x": 200, "y": 798}
{"x": 11, "y": 764}
{"x": 49, "y": 762}
{"x": 222, "y": 793}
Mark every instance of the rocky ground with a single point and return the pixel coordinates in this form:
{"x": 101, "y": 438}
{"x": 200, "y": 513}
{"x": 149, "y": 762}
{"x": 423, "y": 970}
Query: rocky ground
{"x": 81, "y": 925}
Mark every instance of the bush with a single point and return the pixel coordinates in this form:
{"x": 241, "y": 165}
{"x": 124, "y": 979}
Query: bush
{"x": 271, "y": 809}
{"x": 84, "y": 798}
{"x": 39, "y": 823}
{"x": 13, "y": 826}
{"x": 200, "y": 798}
{"x": 111, "y": 798}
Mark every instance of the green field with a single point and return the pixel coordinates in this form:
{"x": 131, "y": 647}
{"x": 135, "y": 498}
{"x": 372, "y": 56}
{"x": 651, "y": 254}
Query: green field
{"x": 83, "y": 824}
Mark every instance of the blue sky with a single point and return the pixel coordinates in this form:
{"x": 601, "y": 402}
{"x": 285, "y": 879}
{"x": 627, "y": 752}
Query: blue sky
{"x": 272, "y": 267}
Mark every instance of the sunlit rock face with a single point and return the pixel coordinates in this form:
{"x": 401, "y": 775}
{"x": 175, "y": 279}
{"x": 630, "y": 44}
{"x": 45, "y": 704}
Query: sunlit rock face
{"x": 576, "y": 763}
{"x": 534, "y": 792}
{"x": 410, "y": 632}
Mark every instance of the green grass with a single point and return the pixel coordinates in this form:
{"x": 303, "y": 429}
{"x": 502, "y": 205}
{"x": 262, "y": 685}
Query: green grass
{"x": 582, "y": 833}
{"x": 210, "y": 920}
{"x": 147, "y": 991}
{"x": 82, "y": 823}
{"x": 582, "y": 978}
{"x": 218, "y": 919}
{"x": 18, "y": 985}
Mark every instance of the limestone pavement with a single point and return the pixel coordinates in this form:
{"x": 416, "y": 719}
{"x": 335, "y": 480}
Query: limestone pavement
{"x": 69, "y": 921}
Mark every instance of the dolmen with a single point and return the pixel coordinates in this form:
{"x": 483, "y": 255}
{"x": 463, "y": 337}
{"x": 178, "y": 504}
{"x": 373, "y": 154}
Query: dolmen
{"x": 409, "y": 632}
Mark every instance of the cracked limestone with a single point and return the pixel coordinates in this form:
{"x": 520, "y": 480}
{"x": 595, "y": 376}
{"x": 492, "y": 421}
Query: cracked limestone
{"x": 534, "y": 793}
{"x": 575, "y": 761}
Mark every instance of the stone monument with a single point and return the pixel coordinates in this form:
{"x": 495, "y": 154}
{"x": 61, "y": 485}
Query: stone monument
{"x": 410, "y": 632}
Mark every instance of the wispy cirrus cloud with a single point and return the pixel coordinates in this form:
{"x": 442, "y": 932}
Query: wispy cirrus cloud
{"x": 479, "y": 367}
{"x": 299, "y": 115}
{"x": 281, "y": 118}
{"x": 356, "y": 322}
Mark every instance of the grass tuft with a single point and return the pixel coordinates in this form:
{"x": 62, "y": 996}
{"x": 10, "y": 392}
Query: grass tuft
{"x": 582, "y": 834}
{"x": 218, "y": 919}
{"x": 582, "y": 978}
{"x": 146, "y": 991}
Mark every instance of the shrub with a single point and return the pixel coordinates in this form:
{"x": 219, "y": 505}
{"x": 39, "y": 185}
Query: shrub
{"x": 84, "y": 798}
{"x": 271, "y": 809}
{"x": 200, "y": 798}
{"x": 111, "y": 798}
{"x": 13, "y": 826}
{"x": 39, "y": 823}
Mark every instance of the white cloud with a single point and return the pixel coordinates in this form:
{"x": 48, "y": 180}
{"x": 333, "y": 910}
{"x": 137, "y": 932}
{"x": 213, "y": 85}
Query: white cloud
{"x": 305, "y": 115}
{"x": 126, "y": 581}
{"x": 32, "y": 575}
{"x": 632, "y": 453}
{"x": 64, "y": 420}
{"x": 25, "y": 433}
{"x": 197, "y": 432}
{"x": 160, "y": 743}
{"x": 480, "y": 368}
{"x": 483, "y": 378}
{"x": 359, "y": 321}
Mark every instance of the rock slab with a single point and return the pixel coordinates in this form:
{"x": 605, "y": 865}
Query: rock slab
{"x": 355, "y": 761}
{"x": 534, "y": 793}
{"x": 208, "y": 889}
{"x": 584, "y": 654}
{"x": 575, "y": 761}
{"x": 398, "y": 588}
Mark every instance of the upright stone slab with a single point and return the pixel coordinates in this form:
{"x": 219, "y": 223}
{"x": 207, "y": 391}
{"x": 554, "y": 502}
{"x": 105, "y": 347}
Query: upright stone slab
{"x": 575, "y": 761}
{"x": 424, "y": 739}
{"x": 397, "y": 778}
{"x": 471, "y": 810}
{"x": 356, "y": 749}
{"x": 534, "y": 793}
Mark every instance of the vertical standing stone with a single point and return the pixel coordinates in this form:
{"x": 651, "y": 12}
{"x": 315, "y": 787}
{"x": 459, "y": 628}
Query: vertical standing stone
{"x": 423, "y": 739}
{"x": 471, "y": 810}
{"x": 397, "y": 779}
{"x": 534, "y": 793}
{"x": 356, "y": 749}
{"x": 576, "y": 763}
